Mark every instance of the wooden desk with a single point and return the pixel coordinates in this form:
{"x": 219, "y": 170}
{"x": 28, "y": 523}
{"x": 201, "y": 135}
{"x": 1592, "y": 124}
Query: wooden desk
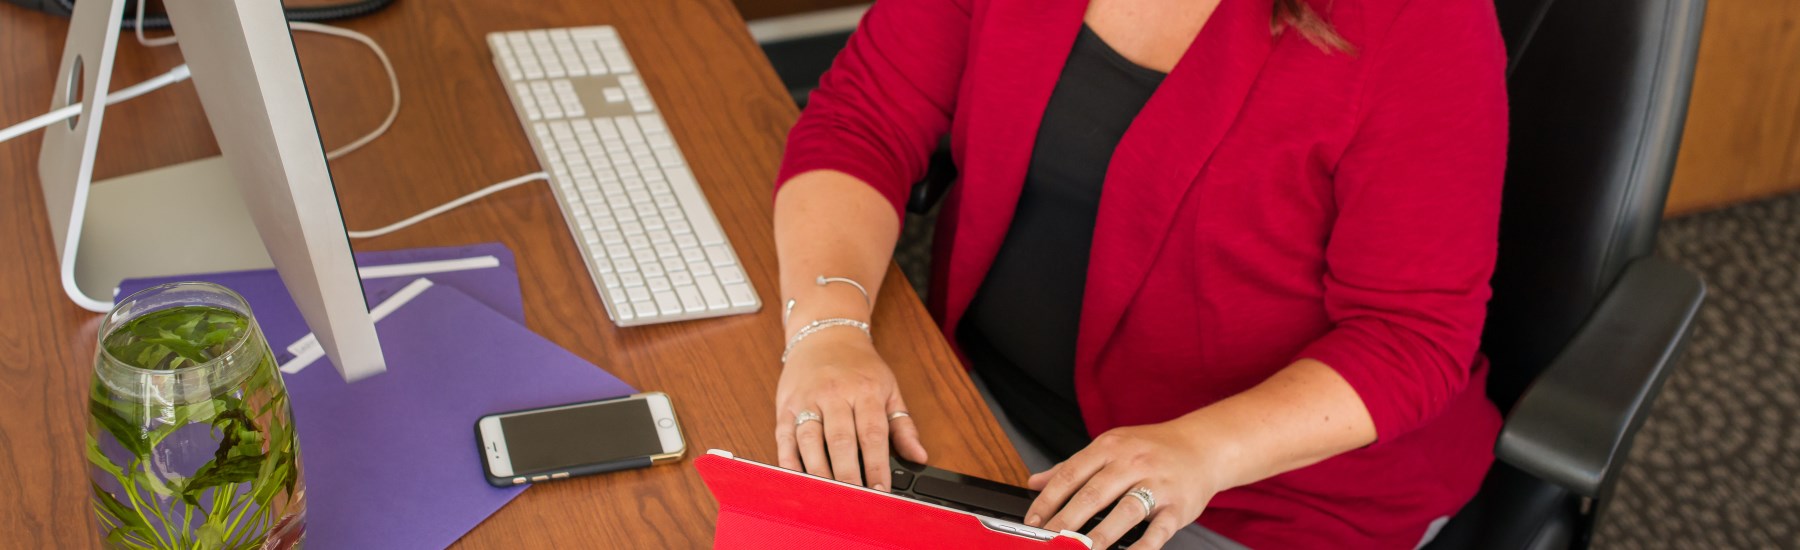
{"x": 456, "y": 133}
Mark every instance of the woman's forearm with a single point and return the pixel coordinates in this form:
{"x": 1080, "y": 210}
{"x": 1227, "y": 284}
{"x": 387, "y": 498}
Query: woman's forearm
{"x": 831, "y": 224}
{"x": 836, "y": 403}
{"x": 1303, "y": 414}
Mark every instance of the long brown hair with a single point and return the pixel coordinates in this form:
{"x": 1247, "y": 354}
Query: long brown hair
{"x": 1300, "y": 16}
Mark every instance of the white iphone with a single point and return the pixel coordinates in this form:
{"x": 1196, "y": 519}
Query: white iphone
{"x": 579, "y": 439}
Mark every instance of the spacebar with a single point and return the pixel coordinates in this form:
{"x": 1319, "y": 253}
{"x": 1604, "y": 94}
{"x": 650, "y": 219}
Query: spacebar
{"x": 699, "y": 215}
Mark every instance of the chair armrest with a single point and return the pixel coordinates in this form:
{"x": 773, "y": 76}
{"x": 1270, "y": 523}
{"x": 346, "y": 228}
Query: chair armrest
{"x": 1575, "y": 423}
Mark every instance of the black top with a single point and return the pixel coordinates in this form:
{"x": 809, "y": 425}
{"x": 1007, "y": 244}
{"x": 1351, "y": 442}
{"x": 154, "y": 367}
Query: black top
{"x": 1020, "y": 329}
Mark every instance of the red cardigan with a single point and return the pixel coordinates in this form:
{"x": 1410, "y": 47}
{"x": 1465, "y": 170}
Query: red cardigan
{"x": 1271, "y": 202}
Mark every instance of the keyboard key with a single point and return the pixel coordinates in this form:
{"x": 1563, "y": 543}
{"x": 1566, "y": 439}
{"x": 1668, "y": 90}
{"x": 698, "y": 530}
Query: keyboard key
{"x": 647, "y": 308}
{"x": 720, "y": 255}
{"x": 698, "y": 213}
{"x": 731, "y": 274}
{"x": 712, "y": 292}
{"x": 691, "y": 302}
{"x": 668, "y": 303}
{"x": 659, "y": 284}
{"x": 637, "y": 293}
{"x": 740, "y": 295}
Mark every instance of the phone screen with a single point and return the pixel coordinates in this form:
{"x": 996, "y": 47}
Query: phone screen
{"x": 579, "y": 435}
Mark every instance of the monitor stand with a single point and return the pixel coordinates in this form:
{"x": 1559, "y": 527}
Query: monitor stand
{"x": 268, "y": 200}
{"x": 175, "y": 220}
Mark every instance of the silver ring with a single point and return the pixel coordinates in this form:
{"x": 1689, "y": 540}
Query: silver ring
{"x": 807, "y": 416}
{"x": 896, "y": 415}
{"x": 1145, "y": 498}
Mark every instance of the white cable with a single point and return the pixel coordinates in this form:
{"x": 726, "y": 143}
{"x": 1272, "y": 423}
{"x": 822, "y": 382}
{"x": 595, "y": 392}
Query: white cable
{"x": 149, "y": 42}
{"x": 181, "y": 73}
{"x": 177, "y": 74}
{"x": 393, "y": 81}
{"x": 452, "y": 205}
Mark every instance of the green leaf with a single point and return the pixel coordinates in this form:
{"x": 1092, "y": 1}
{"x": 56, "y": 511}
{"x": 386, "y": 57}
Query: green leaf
{"x": 129, "y": 435}
{"x": 128, "y": 520}
{"x": 249, "y": 444}
{"x": 190, "y": 493}
{"x": 236, "y": 469}
{"x": 212, "y": 536}
{"x": 116, "y": 537}
{"x": 270, "y": 483}
{"x": 293, "y": 471}
{"x": 98, "y": 458}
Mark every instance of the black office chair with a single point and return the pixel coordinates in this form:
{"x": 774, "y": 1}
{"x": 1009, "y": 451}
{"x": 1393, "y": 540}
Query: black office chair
{"x": 1584, "y": 324}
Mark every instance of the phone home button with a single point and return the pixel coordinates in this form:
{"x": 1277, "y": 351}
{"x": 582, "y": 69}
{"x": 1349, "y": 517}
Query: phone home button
{"x": 666, "y": 422}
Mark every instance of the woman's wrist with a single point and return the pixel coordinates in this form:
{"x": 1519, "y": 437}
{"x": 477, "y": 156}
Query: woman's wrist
{"x": 1217, "y": 449}
{"x": 824, "y": 302}
{"x": 828, "y": 344}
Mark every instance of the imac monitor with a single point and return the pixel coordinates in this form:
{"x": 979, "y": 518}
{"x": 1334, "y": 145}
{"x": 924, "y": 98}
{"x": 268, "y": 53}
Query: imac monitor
{"x": 272, "y": 183}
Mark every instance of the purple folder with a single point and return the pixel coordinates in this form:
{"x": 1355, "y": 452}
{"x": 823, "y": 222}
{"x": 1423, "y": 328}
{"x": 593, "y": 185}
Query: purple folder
{"x": 391, "y": 461}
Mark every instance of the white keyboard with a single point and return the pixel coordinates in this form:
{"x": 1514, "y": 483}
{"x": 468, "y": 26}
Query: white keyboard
{"x": 651, "y": 242}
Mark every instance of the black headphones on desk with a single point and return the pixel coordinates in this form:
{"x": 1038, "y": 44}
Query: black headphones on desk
{"x": 353, "y": 8}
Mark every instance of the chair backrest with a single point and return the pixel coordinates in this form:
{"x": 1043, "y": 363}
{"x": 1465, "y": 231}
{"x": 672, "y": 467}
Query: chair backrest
{"x": 1598, "y": 92}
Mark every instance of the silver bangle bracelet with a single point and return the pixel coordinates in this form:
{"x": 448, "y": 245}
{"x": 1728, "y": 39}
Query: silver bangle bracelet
{"x": 868, "y": 300}
{"x": 819, "y": 325}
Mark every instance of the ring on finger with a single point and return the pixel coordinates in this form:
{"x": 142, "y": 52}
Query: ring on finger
{"x": 896, "y": 415}
{"x": 1144, "y": 497}
{"x": 803, "y": 417}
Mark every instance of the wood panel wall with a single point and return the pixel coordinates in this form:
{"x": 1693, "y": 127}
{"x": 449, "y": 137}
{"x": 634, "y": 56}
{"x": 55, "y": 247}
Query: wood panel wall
{"x": 1743, "y": 128}
{"x": 758, "y": 9}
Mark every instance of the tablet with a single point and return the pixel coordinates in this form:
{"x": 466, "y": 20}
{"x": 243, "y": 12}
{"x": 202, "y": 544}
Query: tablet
{"x": 764, "y": 506}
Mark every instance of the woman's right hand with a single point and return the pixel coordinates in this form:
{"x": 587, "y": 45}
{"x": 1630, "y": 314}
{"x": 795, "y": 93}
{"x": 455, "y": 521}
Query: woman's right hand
{"x": 838, "y": 375}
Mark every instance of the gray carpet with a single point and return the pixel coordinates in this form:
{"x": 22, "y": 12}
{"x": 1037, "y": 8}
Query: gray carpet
{"x": 1717, "y": 464}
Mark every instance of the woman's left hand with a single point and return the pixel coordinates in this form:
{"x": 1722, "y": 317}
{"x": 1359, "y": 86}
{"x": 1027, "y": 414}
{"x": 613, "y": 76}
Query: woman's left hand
{"x": 1166, "y": 459}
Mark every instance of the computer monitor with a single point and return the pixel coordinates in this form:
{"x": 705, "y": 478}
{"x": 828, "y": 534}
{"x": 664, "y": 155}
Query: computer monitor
{"x": 268, "y": 202}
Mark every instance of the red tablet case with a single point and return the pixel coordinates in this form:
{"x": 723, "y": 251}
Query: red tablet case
{"x": 762, "y": 506}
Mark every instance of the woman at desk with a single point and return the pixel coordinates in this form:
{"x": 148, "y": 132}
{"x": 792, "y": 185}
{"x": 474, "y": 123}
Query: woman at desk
{"x": 1217, "y": 260}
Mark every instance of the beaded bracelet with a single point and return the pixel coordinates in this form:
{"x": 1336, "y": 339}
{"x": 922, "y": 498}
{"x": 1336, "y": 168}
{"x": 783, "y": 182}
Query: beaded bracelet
{"x": 819, "y": 325}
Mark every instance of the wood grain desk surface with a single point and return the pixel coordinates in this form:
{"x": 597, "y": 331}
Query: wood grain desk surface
{"x": 456, "y": 133}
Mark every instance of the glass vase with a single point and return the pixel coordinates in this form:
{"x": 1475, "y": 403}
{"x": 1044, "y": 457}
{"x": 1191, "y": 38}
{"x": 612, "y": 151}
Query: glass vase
{"x": 190, "y": 439}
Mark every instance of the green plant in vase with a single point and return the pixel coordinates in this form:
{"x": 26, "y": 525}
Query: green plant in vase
{"x": 191, "y": 443}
